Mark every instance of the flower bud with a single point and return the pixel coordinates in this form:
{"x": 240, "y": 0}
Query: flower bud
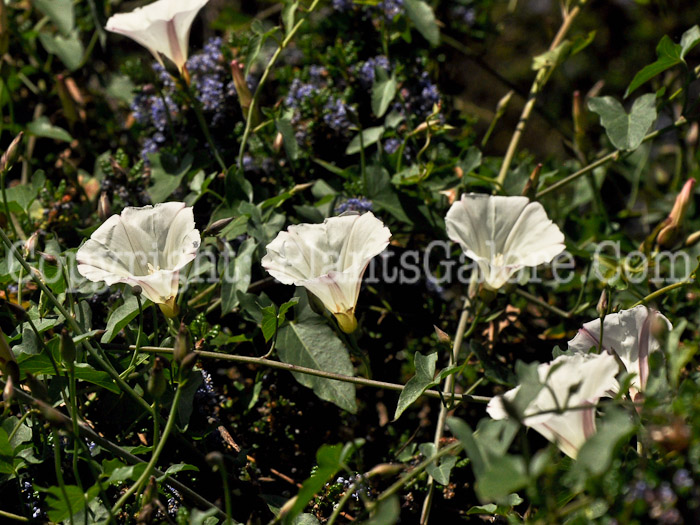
{"x": 187, "y": 365}
{"x": 602, "y": 306}
{"x": 216, "y": 227}
{"x": 385, "y": 469}
{"x": 67, "y": 347}
{"x": 156, "y": 381}
{"x": 136, "y": 290}
{"x": 10, "y": 156}
{"x": 278, "y": 142}
{"x": 245, "y": 97}
{"x": 151, "y": 491}
{"x": 674, "y": 222}
{"x": 67, "y": 103}
{"x": 530, "y": 189}
{"x": 183, "y": 344}
{"x": 442, "y": 336}
{"x": 692, "y": 239}
{"x": 104, "y": 208}
{"x": 31, "y": 244}
{"x": 8, "y": 392}
{"x": 51, "y": 259}
{"x": 12, "y": 371}
{"x": 18, "y": 312}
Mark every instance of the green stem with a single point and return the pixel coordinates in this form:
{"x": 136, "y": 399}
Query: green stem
{"x": 156, "y": 453}
{"x": 102, "y": 361}
{"x": 539, "y": 83}
{"x": 10, "y": 516}
{"x": 442, "y": 416}
{"x": 138, "y": 337}
{"x": 266, "y": 73}
{"x": 4, "y": 201}
{"x": 403, "y": 480}
{"x": 313, "y": 372}
{"x": 115, "y": 449}
{"x": 662, "y": 291}
{"x": 613, "y": 156}
{"x": 59, "y": 472}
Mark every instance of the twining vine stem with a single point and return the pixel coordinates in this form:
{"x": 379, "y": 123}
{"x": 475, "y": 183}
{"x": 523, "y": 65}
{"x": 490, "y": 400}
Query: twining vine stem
{"x": 309, "y": 371}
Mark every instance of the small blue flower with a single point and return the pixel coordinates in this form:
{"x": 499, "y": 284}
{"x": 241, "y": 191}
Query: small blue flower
{"x": 208, "y": 60}
{"x": 141, "y": 107}
{"x": 149, "y": 146}
{"x": 368, "y": 69}
{"x": 298, "y": 92}
{"x": 354, "y": 204}
{"x": 342, "y": 5}
{"x": 211, "y": 92}
{"x": 159, "y": 115}
{"x": 392, "y": 145}
{"x": 337, "y": 115}
{"x": 391, "y": 8}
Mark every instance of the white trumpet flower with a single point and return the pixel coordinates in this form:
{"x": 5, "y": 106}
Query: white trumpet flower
{"x": 329, "y": 260}
{"x": 162, "y": 27}
{"x": 628, "y": 335}
{"x": 144, "y": 247}
{"x": 564, "y": 409}
{"x": 503, "y": 234}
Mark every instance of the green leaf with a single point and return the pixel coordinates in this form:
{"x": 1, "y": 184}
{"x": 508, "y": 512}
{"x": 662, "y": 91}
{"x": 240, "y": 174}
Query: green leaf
{"x": 177, "y": 467}
{"x": 269, "y": 322}
{"x": 184, "y": 409}
{"x": 311, "y": 343}
{"x": 119, "y": 318}
{"x": 131, "y": 472}
{"x": 689, "y": 40}
{"x": 166, "y": 175}
{"x": 421, "y": 14}
{"x": 625, "y": 131}
{"x": 59, "y": 509}
{"x": 288, "y": 13}
{"x": 383, "y": 92}
{"x": 60, "y": 12}
{"x": 41, "y": 127}
{"x": 383, "y": 194}
{"x": 69, "y": 48}
{"x": 441, "y": 471}
{"x": 289, "y": 139}
{"x": 40, "y": 364}
{"x": 329, "y": 462}
{"x": 387, "y": 512}
{"x": 236, "y": 277}
{"x": 369, "y": 136}
{"x": 419, "y": 383}
{"x": 669, "y": 55}
{"x": 553, "y": 57}
{"x": 505, "y": 475}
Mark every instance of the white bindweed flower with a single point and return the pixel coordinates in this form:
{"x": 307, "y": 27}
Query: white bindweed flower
{"x": 329, "y": 260}
{"x": 564, "y": 409}
{"x": 162, "y": 27}
{"x": 628, "y": 335}
{"x": 503, "y": 234}
{"x": 144, "y": 247}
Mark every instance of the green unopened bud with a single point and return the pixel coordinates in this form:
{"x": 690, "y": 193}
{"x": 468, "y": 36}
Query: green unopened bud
{"x": 151, "y": 491}
{"x": 17, "y": 311}
{"x": 67, "y": 103}
{"x": 51, "y": 259}
{"x": 169, "y": 308}
{"x": 216, "y": 227}
{"x": 183, "y": 344}
{"x": 692, "y": 239}
{"x": 67, "y": 347}
{"x": 10, "y": 156}
{"x": 187, "y": 365}
{"x": 156, "y": 381}
{"x": 581, "y": 143}
{"x": 12, "y": 371}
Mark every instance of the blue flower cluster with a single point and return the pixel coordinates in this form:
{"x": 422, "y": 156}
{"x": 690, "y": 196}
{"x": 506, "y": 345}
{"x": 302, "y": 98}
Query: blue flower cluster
{"x": 211, "y": 84}
{"x": 298, "y": 92}
{"x": 337, "y": 115}
{"x": 354, "y": 204}
{"x": 389, "y": 8}
{"x": 367, "y": 71}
